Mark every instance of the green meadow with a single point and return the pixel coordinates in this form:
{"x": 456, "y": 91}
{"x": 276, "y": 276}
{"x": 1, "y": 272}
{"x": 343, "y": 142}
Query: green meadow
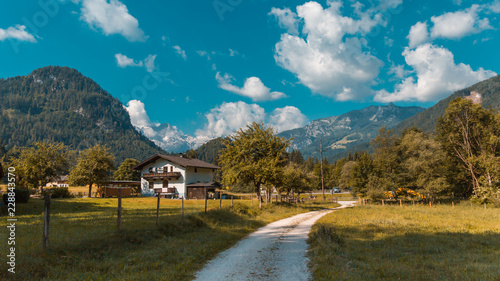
{"x": 85, "y": 244}
{"x": 375, "y": 242}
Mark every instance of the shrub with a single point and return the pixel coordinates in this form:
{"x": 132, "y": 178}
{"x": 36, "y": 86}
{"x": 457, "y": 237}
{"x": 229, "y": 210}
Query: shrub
{"x": 22, "y": 195}
{"x": 61, "y": 192}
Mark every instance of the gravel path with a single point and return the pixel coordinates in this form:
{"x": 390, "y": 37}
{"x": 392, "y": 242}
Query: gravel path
{"x": 276, "y": 251}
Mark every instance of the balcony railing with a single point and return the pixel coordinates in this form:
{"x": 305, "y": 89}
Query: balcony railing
{"x": 168, "y": 175}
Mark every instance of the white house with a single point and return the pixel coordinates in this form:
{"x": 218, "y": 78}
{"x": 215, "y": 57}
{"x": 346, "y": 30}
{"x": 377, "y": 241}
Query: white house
{"x": 61, "y": 181}
{"x": 176, "y": 176}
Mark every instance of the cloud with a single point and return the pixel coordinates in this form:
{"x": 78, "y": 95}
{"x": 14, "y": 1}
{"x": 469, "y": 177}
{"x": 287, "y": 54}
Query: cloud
{"x": 252, "y": 88}
{"x": 418, "y": 34}
{"x": 437, "y": 76}
{"x": 286, "y": 19}
{"x": 149, "y": 63}
{"x": 180, "y": 52}
{"x": 329, "y": 58}
{"x": 112, "y": 17}
{"x": 164, "y": 135}
{"x": 124, "y": 61}
{"x": 287, "y": 118}
{"x": 138, "y": 115}
{"x": 459, "y": 24}
{"x": 495, "y": 6}
{"x": 233, "y": 53}
{"x": 17, "y": 32}
{"x": 229, "y": 117}
{"x": 221, "y": 121}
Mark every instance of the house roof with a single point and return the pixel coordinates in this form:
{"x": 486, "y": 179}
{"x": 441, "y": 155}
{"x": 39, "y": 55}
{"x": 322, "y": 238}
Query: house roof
{"x": 182, "y": 161}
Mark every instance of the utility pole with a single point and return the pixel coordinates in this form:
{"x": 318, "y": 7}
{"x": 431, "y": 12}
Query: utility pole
{"x": 322, "y": 180}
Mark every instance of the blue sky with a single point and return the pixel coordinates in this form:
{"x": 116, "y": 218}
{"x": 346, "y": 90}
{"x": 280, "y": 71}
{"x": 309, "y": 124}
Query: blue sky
{"x": 207, "y": 68}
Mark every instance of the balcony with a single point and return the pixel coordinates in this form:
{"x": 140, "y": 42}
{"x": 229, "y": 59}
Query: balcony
{"x": 162, "y": 176}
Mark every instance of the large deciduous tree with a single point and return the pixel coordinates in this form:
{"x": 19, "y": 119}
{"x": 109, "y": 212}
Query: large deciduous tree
{"x": 471, "y": 134}
{"x": 253, "y": 156}
{"x": 125, "y": 172}
{"x": 41, "y": 164}
{"x": 423, "y": 167}
{"x": 93, "y": 167}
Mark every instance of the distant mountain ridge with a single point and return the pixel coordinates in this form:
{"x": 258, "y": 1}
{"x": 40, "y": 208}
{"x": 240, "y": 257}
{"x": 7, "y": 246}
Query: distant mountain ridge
{"x": 59, "y": 104}
{"x": 354, "y": 128}
{"x": 486, "y": 93}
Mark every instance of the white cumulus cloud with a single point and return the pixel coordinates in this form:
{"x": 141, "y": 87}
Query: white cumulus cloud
{"x": 456, "y": 25}
{"x": 229, "y": 117}
{"x": 112, "y": 17}
{"x": 287, "y": 118}
{"x": 418, "y": 34}
{"x": 149, "y": 63}
{"x": 330, "y": 58}
{"x": 17, "y": 32}
{"x": 124, "y": 61}
{"x": 286, "y": 19}
{"x": 437, "y": 76}
{"x": 252, "y": 88}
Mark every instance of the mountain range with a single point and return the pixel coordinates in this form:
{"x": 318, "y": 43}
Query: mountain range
{"x": 486, "y": 93}
{"x": 354, "y": 128}
{"x": 60, "y": 104}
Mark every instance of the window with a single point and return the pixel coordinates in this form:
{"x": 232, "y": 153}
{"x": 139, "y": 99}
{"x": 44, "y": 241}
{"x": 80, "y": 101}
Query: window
{"x": 195, "y": 170}
{"x": 171, "y": 168}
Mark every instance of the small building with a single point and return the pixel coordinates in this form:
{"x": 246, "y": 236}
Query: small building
{"x": 176, "y": 177}
{"x": 111, "y": 188}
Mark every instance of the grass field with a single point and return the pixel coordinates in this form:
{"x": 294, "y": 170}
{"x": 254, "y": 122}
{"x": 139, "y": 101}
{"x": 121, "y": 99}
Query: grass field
{"x": 85, "y": 245}
{"x": 377, "y": 242}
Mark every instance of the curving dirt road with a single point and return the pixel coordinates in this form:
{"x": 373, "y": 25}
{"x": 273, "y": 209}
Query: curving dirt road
{"x": 276, "y": 251}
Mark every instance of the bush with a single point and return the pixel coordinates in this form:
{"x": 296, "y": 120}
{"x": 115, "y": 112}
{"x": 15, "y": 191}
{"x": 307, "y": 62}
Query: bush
{"x": 22, "y": 195}
{"x": 61, "y": 192}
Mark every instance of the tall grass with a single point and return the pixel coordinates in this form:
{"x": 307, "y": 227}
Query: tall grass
{"x": 85, "y": 244}
{"x": 407, "y": 243}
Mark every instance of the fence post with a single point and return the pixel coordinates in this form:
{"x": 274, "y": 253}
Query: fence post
{"x": 485, "y": 206}
{"x": 400, "y": 203}
{"x": 118, "y": 220}
{"x": 220, "y": 200}
{"x": 383, "y": 202}
{"x": 453, "y": 205}
{"x": 231, "y": 200}
{"x": 206, "y": 199}
{"x": 46, "y": 221}
{"x": 158, "y": 210}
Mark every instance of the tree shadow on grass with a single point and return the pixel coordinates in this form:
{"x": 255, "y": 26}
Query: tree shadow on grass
{"x": 177, "y": 248}
{"x": 389, "y": 253}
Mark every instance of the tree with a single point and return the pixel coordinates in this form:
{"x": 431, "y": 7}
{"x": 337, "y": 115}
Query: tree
{"x": 361, "y": 172}
{"x": 125, "y": 171}
{"x": 93, "y": 167}
{"x": 471, "y": 134}
{"x": 253, "y": 156}
{"x": 423, "y": 165}
{"x": 295, "y": 178}
{"x": 386, "y": 161}
{"x": 41, "y": 164}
